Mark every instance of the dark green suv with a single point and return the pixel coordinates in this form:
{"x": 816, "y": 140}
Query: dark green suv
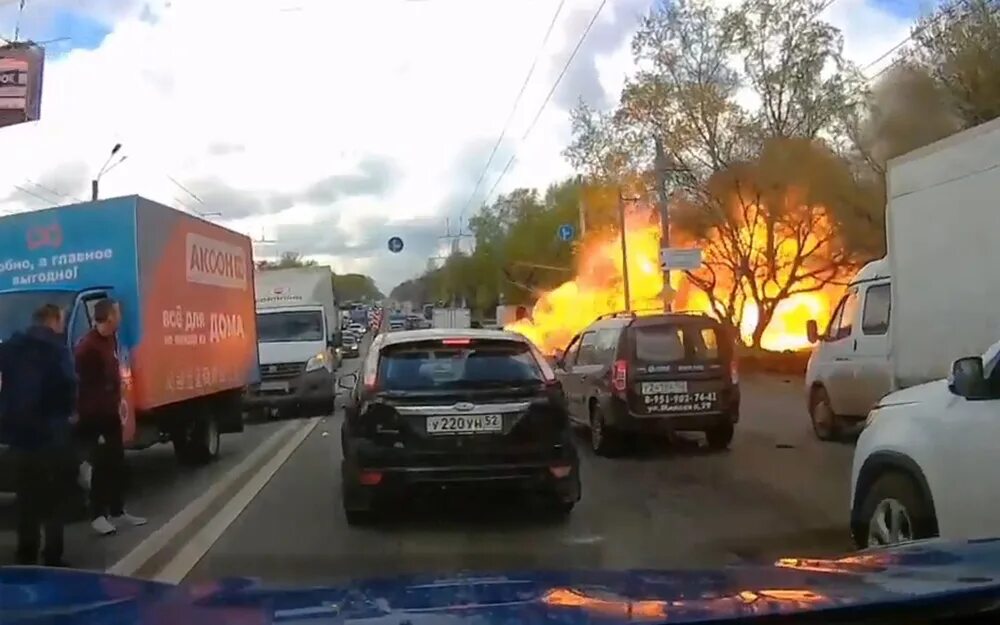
{"x": 628, "y": 375}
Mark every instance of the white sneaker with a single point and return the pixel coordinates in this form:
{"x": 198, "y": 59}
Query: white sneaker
{"x": 128, "y": 519}
{"x": 102, "y": 526}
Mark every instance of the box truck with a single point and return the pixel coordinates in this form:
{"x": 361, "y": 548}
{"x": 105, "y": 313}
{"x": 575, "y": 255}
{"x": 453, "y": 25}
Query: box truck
{"x": 187, "y": 345}
{"x": 298, "y": 325}
{"x": 451, "y": 318}
{"x": 933, "y": 299}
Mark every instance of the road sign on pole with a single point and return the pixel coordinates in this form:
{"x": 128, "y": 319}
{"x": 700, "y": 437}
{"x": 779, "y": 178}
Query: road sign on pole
{"x": 566, "y": 232}
{"x": 395, "y": 245}
{"x": 680, "y": 258}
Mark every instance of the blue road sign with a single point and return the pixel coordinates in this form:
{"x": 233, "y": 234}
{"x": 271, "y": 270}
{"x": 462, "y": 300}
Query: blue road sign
{"x": 566, "y": 232}
{"x": 395, "y": 245}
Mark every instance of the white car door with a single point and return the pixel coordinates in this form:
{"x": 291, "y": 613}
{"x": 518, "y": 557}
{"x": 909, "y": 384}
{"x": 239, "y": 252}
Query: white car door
{"x": 969, "y": 467}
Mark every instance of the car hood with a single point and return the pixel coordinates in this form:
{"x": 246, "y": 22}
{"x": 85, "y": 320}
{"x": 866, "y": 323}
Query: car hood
{"x": 926, "y": 577}
{"x": 930, "y": 391}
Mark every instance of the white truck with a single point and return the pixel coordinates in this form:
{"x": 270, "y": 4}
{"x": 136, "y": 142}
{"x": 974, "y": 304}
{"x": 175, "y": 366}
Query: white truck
{"x": 939, "y": 280}
{"x": 451, "y": 318}
{"x": 297, "y": 331}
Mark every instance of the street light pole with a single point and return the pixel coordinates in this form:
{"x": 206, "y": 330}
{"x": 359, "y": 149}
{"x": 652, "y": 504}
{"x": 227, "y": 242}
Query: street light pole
{"x": 95, "y": 183}
{"x": 660, "y": 164}
{"x": 621, "y": 224}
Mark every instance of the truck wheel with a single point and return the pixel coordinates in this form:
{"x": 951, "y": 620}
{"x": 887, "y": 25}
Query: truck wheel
{"x": 199, "y": 442}
{"x": 827, "y": 425}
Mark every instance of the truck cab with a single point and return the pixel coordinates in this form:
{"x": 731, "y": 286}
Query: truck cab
{"x": 849, "y": 369}
{"x": 297, "y": 360}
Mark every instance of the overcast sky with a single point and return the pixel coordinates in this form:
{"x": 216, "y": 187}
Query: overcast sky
{"x": 325, "y": 125}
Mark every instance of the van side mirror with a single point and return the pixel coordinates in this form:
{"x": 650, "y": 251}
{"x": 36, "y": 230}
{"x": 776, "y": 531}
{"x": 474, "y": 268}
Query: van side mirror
{"x": 967, "y": 378}
{"x": 812, "y": 331}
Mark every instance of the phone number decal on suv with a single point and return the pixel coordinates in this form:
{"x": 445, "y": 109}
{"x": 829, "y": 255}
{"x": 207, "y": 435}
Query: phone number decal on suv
{"x": 680, "y": 402}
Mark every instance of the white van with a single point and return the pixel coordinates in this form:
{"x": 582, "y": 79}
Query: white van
{"x": 849, "y": 368}
{"x": 907, "y": 317}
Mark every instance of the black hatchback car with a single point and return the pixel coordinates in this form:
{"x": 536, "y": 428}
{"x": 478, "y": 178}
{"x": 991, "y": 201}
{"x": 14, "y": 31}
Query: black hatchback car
{"x": 628, "y": 375}
{"x": 433, "y": 408}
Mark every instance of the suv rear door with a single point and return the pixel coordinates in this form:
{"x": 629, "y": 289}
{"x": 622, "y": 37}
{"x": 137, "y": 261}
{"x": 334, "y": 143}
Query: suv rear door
{"x": 678, "y": 366}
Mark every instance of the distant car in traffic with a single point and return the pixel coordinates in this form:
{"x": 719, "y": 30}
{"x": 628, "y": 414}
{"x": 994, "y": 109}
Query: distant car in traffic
{"x": 350, "y": 348}
{"x": 397, "y": 322}
{"x": 455, "y": 407}
{"x": 627, "y": 375}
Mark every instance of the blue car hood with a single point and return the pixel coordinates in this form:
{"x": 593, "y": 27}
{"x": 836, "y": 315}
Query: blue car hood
{"x": 918, "y": 578}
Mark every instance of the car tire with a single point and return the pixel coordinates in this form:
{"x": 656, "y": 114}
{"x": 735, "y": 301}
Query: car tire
{"x": 720, "y": 436}
{"x": 603, "y": 439}
{"x": 561, "y": 509}
{"x": 827, "y": 425}
{"x": 905, "y": 512}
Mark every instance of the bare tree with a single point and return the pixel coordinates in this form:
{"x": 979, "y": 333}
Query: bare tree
{"x": 769, "y": 229}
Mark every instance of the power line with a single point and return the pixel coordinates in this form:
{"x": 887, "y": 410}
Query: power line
{"x": 32, "y": 194}
{"x": 513, "y": 109}
{"x": 52, "y": 191}
{"x": 947, "y": 12}
{"x": 185, "y": 189}
{"x": 548, "y": 97}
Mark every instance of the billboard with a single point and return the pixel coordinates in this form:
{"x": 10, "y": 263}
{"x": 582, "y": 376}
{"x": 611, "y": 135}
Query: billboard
{"x": 21, "y": 65}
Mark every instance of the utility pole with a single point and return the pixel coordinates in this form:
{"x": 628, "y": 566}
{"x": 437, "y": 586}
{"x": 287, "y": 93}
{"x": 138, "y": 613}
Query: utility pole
{"x": 454, "y": 248}
{"x": 661, "y": 167}
{"x": 583, "y": 215}
{"x": 621, "y": 224}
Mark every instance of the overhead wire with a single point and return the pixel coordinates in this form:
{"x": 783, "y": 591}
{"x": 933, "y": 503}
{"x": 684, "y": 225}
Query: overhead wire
{"x": 545, "y": 102}
{"x": 513, "y": 110}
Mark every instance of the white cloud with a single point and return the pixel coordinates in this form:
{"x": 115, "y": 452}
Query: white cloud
{"x": 255, "y": 104}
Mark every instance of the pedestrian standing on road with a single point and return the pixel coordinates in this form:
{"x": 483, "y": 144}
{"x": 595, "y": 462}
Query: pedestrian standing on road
{"x": 100, "y": 419}
{"x": 37, "y": 399}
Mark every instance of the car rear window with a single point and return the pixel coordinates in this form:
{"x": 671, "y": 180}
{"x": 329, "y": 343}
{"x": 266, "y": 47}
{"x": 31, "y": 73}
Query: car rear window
{"x": 436, "y": 365}
{"x": 670, "y": 342}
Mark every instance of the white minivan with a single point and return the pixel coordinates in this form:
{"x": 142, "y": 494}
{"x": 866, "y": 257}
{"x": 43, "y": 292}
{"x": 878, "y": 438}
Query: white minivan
{"x": 849, "y": 369}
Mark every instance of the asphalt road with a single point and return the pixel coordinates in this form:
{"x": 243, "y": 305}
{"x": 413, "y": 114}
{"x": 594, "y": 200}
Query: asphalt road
{"x": 270, "y": 508}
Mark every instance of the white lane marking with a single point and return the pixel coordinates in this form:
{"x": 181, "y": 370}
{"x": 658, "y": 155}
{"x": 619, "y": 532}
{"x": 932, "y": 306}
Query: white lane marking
{"x": 155, "y": 542}
{"x": 193, "y": 551}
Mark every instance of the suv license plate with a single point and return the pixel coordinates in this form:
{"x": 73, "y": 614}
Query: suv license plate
{"x": 657, "y": 388}
{"x": 466, "y": 424}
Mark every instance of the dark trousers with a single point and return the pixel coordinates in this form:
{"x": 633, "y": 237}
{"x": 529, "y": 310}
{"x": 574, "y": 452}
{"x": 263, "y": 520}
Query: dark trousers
{"x": 45, "y": 480}
{"x": 107, "y": 458}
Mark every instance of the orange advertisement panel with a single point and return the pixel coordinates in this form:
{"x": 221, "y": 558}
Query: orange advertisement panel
{"x": 199, "y": 333}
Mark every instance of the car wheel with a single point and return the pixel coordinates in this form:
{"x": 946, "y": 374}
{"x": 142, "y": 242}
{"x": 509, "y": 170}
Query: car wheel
{"x": 827, "y": 425}
{"x": 720, "y": 436}
{"x": 561, "y": 509}
{"x": 602, "y": 437}
{"x": 892, "y": 512}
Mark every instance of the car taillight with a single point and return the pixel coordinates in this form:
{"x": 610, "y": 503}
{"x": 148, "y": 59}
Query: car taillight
{"x": 734, "y": 371}
{"x": 619, "y": 376}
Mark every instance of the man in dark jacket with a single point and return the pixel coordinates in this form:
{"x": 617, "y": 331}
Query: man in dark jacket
{"x": 37, "y": 397}
{"x": 100, "y": 418}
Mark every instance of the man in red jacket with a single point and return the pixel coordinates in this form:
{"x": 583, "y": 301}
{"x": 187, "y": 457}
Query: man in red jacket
{"x": 100, "y": 421}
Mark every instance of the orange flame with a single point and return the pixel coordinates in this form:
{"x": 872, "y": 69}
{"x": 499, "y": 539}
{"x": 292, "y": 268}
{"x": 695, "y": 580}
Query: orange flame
{"x": 597, "y": 289}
